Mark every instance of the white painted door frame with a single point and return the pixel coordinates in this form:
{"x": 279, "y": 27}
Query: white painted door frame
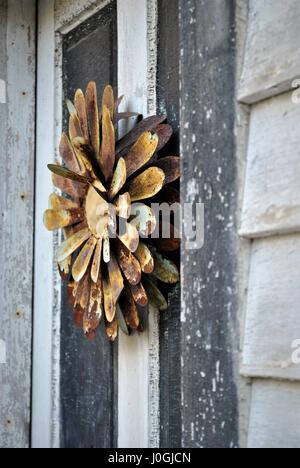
{"x": 139, "y": 355}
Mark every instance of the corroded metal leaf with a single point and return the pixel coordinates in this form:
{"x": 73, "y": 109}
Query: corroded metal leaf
{"x": 118, "y": 180}
{"x": 164, "y": 133}
{"x": 83, "y": 260}
{"x": 95, "y": 270}
{"x": 171, "y": 167}
{"x": 109, "y": 303}
{"x": 131, "y": 238}
{"x": 64, "y": 268}
{"x": 115, "y": 277}
{"x": 107, "y": 156}
{"x": 72, "y": 243}
{"x": 141, "y": 152}
{"x": 58, "y": 219}
{"x": 130, "y": 310}
{"x": 139, "y": 294}
{"x": 67, "y": 174}
{"x": 74, "y": 127}
{"x": 154, "y": 295}
{"x": 108, "y": 100}
{"x": 164, "y": 269}
{"x": 112, "y": 330}
{"x": 144, "y": 219}
{"x": 128, "y": 264}
{"x": 121, "y": 320}
{"x": 145, "y": 258}
{"x": 123, "y": 206}
{"x": 147, "y": 125}
{"x": 73, "y": 189}
{"x": 68, "y": 154}
{"x": 83, "y": 292}
{"x": 80, "y": 106}
{"x": 147, "y": 184}
{"x": 93, "y": 313}
{"x": 56, "y": 202}
{"x": 92, "y": 110}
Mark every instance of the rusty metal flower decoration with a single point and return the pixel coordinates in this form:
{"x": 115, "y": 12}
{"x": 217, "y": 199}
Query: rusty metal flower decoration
{"x": 106, "y": 256}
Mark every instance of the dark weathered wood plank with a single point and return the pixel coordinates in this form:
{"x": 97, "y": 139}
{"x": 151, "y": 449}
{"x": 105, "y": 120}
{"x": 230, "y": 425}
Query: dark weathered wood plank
{"x": 168, "y": 104}
{"x": 209, "y": 282}
{"x": 88, "y": 369}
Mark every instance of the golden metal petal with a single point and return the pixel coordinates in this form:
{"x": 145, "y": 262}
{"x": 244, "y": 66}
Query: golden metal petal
{"x": 67, "y": 174}
{"x": 107, "y": 156}
{"x": 141, "y": 152}
{"x": 131, "y": 238}
{"x": 109, "y": 303}
{"x": 147, "y": 184}
{"x": 83, "y": 260}
{"x": 95, "y": 271}
{"x": 118, "y": 180}
{"x": 116, "y": 278}
{"x": 108, "y": 100}
{"x": 72, "y": 243}
{"x": 57, "y": 219}
{"x": 80, "y": 106}
{"x": 56, "y": 202}
{"x": 145, "y": 258}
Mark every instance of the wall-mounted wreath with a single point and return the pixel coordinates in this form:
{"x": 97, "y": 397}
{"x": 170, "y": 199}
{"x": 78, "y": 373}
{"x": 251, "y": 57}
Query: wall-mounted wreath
{"x": 110, "y": 262}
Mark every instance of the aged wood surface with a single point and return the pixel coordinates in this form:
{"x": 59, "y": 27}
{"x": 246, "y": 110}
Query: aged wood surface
{"x": 209, "y": 275}
{"x": 275, "y": 415}
{"x": 273, "y": 314}
{"x": 168, "y": 104}
{"x": 88, "y": 380}
{"x": 17, "y": 130}
{"x": 272, "y": 194}
{"x": 272, "y": 57}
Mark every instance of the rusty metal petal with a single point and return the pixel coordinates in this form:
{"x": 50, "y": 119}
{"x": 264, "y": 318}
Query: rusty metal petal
{"x": 109, "y": 303}
{"x": 130, "y": 310}
{"x": 164, "y": 269}
{"x": 144, "y": 219}
{"x": 83, "y": 292}
{"x": 131, "y": 238}
{"x": 68, "y": 154}
{"x": 93, "y": 313}
{"x": 72, "y": 243}
{"x": 83, "y": 260}
{"x": 56, "y": 202}
{"x": 58, "y": 219}
{"x": 115, "y": 277}
{"x": 145, "y": 258}
{"x": 118, "y": 180}
{"x": 74, "y": 190}
{"x": 67, "y": 174}
{"x": 91, "y": 100}
{"x": 64, "y": 268}
{"x": 108, "y": 100}
{"x": 147, "y": 125}
{"x": 107, "y": 156}
{"x": 121, "y": 320}
{"x": 141, "y": 152}
{"x": 164, "y": 133}
{"x": 139, "y": 294}
{"x": 80, "y": 106}
{"x": 106, "y": 248}
{"x": 112, "y": 330}
{"x": 128, "y": 264}
{"x": 95, "y": 271}
{"x": 147, "y": 184}
{"x": 74, "y": 127}
{"x": 171, "y": 167}
{"x": 154, "y": 295}
{"x": 123, "y": 206}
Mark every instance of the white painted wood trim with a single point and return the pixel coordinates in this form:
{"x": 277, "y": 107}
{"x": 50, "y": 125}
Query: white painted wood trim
{"x": 138, "y": 384}
{"x": 46, "y": 295}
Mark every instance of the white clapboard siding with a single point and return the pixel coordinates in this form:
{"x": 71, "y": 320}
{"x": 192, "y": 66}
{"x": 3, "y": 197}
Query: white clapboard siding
{"x": 275, "y": 415}
{"x": 272, "y": 190}
{"x": 17, "y": 133}
{"x": 272, "y": 56}
{"x": 272, "y": 322}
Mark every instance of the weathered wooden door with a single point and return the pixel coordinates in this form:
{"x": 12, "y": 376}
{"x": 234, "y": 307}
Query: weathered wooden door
{"x": 92, "y": 394}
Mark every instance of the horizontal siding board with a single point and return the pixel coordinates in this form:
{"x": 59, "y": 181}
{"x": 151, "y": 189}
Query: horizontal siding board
{"x": 272, "y": 191}
{"x": 272, "y": 56}
{"x": 273, "y": 309}
{"x": 275, "y": 415}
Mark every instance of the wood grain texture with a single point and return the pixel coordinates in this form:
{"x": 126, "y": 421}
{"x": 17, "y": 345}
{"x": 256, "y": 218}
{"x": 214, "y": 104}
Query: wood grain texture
{"x": 272, "y": 57}
{"x": 273, "y": 314}
{"x": 275, "y": 415}
{"x": 272, "y": 191}
{"x": 209, "y": 337}
{"x": 88, "y": 369}
{"x": 17, "y": 130}
{"x": 168, "y": 104}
